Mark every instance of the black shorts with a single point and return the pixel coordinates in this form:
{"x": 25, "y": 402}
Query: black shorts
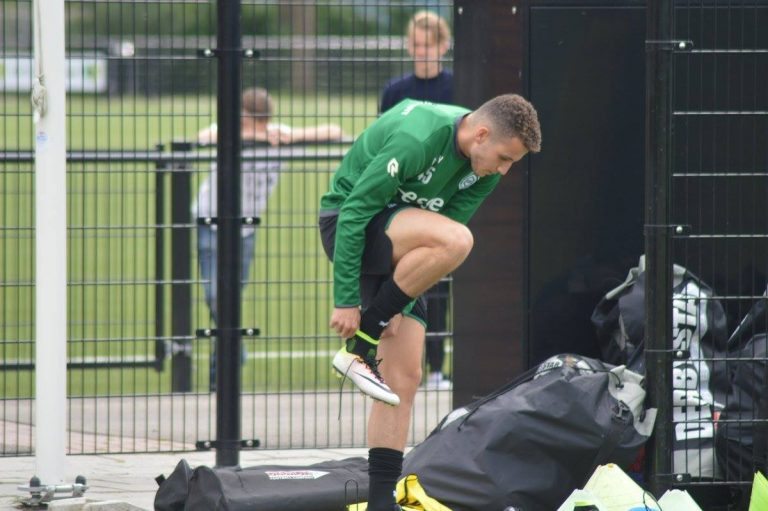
{"x": 377, "y": 258}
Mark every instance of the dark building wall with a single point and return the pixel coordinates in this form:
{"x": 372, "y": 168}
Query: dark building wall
{"x": 565, "y": 225}
{"x": 488, "y": 288}
{"x": 586, "y": 75}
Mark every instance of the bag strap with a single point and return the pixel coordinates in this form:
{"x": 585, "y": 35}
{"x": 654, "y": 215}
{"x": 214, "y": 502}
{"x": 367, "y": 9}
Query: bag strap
{"x": 620, "y": 421}
{"x": 473, "y": 407}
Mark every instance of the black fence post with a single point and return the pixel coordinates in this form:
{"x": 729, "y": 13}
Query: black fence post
{"x": 658, "y": 296}
{"x": 160, "y": 172}
{"x": 181, "y": 287}
{"x": 228, "y": 158}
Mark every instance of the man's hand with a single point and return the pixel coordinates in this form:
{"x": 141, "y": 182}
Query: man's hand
{"x": 277, "y": 135}
{"x": 345, "y": 321}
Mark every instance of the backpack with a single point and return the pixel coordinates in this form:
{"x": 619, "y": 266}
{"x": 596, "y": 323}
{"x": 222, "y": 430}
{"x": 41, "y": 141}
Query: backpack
{"x": 699, "y": 335}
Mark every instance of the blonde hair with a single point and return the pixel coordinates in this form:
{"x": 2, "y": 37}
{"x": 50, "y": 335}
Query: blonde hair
{"x": 256, "y": 102}
{"x": 433, "y": 24}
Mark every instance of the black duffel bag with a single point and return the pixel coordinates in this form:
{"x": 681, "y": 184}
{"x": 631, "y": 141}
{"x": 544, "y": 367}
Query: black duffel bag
{"x": 325, "y": 486}
{"x": 534, "y": 441}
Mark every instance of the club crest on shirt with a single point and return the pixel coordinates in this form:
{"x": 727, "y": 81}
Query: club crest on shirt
{"x": 468, "y": 181}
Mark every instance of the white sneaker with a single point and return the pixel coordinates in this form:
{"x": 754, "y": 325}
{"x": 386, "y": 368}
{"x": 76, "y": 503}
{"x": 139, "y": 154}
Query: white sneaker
{"x": 436, "y": 381}
{"x": 365, "y": 374}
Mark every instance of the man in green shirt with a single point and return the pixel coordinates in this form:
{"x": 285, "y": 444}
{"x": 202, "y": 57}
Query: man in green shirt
{"x": 394, "y": 223}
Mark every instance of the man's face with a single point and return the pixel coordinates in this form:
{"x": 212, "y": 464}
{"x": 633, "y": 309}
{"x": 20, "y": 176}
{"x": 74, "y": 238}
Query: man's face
{"x": 494, "y": 154}
{"x": 422, "y": 45}
{"x": 253, "y": 123}
{"x": 425, "y": 50}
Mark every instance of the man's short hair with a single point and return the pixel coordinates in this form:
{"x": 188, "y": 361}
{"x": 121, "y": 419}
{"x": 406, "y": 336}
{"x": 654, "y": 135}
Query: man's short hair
{"x": 433, "y": 24}
{"x": 256, "y": 102}
{"x": 513, "y": 116}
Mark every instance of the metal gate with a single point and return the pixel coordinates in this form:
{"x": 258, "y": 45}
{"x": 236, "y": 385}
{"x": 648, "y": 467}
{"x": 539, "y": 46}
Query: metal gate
{"x": 706, "y": 193}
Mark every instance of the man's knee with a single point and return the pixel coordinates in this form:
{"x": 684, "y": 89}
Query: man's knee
{"x": 458, "y": 240}
{"x": 405, "y": 381}
{"x": 402, "y": 374}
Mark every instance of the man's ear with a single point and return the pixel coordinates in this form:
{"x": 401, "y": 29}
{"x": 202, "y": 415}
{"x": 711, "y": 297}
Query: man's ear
{"x": 481, "y": 133}
{"x": 443, "y": 47}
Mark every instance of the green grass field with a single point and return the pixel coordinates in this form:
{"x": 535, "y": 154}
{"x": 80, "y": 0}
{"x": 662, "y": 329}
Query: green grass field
{"x": 111, "y": 266}
{"x": 137, "y": 122}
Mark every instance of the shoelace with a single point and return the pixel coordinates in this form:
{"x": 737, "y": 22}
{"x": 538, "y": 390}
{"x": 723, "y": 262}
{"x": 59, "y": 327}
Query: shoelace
{"x": 341, "y": 390}
{"x": 373, "y": 365}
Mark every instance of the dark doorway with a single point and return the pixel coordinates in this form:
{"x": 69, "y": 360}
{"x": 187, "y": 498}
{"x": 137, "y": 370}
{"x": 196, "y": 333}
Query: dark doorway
{"x": 586, "y": 188}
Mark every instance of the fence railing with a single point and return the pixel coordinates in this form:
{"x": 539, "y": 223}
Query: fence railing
{"x": 139, "y": 335}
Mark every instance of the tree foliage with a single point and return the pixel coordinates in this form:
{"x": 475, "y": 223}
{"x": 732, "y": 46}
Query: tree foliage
{"x": 123, "y": 19}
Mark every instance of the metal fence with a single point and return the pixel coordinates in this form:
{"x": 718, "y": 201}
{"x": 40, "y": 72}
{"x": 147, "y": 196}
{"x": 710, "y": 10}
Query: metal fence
{"x": 140, "y": 335}
{"x": 709, "y": 122}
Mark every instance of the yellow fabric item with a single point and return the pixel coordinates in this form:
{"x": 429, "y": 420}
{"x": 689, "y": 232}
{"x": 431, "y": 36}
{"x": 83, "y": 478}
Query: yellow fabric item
{"x": 759, "y": 497}
{"x": 411, "y": 497}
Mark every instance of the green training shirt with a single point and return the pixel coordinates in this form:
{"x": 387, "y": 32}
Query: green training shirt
{"x": 407, "y": 156}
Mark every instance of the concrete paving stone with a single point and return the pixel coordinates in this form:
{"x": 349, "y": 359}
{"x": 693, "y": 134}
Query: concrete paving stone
{"x": 71, "y": 504}
{"x": 111, "y": 505}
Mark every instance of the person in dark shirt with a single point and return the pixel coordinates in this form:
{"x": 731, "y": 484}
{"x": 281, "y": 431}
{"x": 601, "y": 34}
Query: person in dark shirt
{"x": 428, "y": 39}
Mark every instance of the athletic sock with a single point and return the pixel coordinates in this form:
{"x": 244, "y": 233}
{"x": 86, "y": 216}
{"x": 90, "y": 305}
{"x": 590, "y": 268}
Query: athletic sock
{"x": 384, "y": 468}
{"x": 389, "y": 300}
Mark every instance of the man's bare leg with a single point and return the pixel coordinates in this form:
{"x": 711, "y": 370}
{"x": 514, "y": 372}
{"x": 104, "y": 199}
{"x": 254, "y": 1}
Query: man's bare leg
{"x": 401, "y": 367}
{"x": 426, "y": 246}
{"x": 387, "y": 425}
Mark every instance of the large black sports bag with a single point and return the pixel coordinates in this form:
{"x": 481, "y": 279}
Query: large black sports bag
{"x": 531, "y": 443}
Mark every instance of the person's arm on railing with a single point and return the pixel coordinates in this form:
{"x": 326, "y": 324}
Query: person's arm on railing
{"x": 207, "y": 136}
{"x": 282, "y": 134}
{"x": 277, "y": 134}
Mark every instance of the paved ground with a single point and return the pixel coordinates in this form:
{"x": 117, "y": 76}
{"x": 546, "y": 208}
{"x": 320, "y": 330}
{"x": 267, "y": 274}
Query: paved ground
{"x": 130, "y": 478}
{"x": 333, "y": 424}
{"x": 281, "y": 420}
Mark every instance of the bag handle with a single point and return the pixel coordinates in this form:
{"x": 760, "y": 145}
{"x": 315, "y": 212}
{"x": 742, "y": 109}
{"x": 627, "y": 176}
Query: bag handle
{"x": 620, "y": 421}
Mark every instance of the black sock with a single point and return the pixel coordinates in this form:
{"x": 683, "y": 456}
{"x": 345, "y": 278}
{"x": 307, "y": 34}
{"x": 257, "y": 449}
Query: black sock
{"x": 384, "y": 467}
{"x": 389, "y": 300}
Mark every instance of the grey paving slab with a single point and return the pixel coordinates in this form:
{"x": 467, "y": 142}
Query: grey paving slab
{"x": 73, "y": 504}
{"x": 111, "y": 505}
{"x": 129, "y": 478}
